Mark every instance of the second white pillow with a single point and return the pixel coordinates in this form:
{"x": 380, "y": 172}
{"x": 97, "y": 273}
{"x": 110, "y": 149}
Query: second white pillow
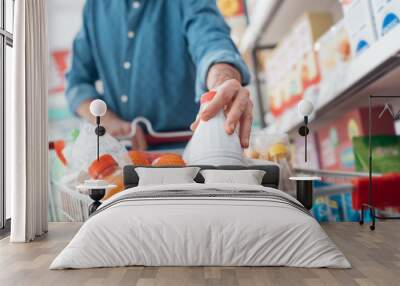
{"x": 162, "y": 176}
{"x": 246, "y": 177}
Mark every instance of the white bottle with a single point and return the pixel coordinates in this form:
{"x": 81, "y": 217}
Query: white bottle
{"x": 210, "y": 144}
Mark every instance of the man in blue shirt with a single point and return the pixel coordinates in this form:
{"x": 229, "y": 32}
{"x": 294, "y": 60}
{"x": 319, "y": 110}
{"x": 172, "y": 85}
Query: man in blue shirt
{"x": 155, "y": 58}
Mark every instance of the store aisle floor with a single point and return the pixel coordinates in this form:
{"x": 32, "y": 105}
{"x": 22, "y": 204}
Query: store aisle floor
{"x": 375, "y": 257}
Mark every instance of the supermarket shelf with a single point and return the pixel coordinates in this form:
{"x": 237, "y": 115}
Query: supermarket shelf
{"x": 377, "y": 62}
{"x": 272, "y": 19}
{"x": 376, "y": 71}
{"x": 334, "y": 174}
{"x": 263, "y": 13}
{"x": 333, "y": 189}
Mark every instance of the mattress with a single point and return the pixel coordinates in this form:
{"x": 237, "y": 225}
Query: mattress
{"x": 201, "y": 225}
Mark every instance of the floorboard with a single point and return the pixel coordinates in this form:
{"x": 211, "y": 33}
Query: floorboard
{"x": 375, "y": 257}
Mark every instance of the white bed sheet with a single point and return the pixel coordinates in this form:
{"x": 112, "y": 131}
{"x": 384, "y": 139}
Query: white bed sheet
{"x": 200, "y": 231}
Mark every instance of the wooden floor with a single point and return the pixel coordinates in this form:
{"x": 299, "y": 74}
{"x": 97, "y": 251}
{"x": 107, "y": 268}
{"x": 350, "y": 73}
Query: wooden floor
{"x": 375, "y": 257}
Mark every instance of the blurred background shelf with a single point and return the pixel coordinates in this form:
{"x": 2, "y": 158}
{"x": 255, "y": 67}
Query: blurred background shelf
{"x": 375, "y": 72}
{"x": 269, "y": 20}
{"x": 333, "y": 174}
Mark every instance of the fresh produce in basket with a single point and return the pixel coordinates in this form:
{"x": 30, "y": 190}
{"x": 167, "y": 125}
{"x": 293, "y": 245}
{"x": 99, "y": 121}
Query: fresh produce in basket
{"x": 84, "y": 150}
{"x": 168, "y": 160}
{"x": 139, "y": 158}
{"x": 142, "y": 158}
{"x": 106, "y": 168}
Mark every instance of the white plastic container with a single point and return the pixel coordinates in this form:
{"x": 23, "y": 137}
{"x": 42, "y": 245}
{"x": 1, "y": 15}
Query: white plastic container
{"x": 211, "y": 145}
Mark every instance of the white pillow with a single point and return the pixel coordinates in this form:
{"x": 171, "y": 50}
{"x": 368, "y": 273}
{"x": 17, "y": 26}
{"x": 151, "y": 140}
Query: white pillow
{"x": 163, "y": 176}
{"x": 246, "y": 177}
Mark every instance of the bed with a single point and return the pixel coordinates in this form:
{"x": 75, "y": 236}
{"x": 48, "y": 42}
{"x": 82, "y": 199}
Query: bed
{"x": 198, "y": 224}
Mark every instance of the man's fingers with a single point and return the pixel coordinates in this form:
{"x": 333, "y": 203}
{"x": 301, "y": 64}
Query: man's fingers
{"x": 139, "y": 140}
{"x": 126, "y": 129}
{"x": 235, "y": 101}
{"x": 237, "y": 110}
{"x": 224, "y": 96}
{"x": 138, "y": 144}
{"x": 245, "y": 125}
{"x": 120, "y": 130}
{"x": 195, "y": 123}
{"x": 134, "y": 143}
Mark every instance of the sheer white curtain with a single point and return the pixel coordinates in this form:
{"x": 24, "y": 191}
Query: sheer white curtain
{"x": 26, "y": 117}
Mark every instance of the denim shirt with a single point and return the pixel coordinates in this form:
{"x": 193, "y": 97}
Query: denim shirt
{"x": 152, "y": 57}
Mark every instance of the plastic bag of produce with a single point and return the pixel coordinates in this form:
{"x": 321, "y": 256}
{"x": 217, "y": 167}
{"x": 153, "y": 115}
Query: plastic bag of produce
{"x": 83, "y": 151}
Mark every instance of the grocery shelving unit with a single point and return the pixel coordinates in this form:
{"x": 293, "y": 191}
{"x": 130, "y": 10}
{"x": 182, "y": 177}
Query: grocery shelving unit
{"x": 273, "y": 18}
{"x": 376, "y": 71}
{"x": 341, "y": 175}
{"x": 270, "y": 20}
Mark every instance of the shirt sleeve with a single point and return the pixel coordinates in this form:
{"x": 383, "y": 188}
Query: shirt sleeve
{"x": 83, "y": 74}
{"x": 209, "y": 41}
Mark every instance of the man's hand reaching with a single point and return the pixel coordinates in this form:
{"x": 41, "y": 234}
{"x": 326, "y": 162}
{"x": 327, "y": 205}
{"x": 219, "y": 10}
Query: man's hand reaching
{"x": 115, "y": 126}
{"x": 232, "y": 98}
{"x": 120, "y": 128}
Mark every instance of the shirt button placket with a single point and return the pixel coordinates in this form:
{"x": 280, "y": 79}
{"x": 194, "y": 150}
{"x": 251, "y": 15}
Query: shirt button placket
{"x": 136, "y": 4}
{"x": 124, "y": 98}
{"x": 127, "y": 65}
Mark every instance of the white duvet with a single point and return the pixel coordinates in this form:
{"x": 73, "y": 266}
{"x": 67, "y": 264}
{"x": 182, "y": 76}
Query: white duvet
{"x": 200, "y": 231}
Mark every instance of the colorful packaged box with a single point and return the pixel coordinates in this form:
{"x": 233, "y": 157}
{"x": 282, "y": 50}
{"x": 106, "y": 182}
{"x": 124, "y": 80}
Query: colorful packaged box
{"x": 385, "y": 160}
{"x": 335, "y": 208}
{"x": 327, "y": 208}
{"x": 360, "y": 24}
{"x": 293, "y": 66}
{"x": 231, "y": 8}
{"x": 334, "y": 51}
{"x": 385, "y": 192}
{"x": 334, "y": 56}
{"x": 386, "y": 14}
{"x": 321, "y": 210}
{"x": 335, "y": 139}
{"x": 302, "y": 39}
{"x": 385, "y": 153}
